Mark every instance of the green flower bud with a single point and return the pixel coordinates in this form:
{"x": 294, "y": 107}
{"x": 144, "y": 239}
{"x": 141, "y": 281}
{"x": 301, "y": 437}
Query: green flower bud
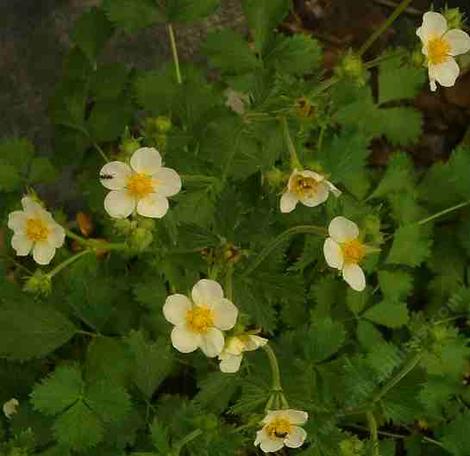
{"x": 417, "y": 58}
{"x": 351, "y": 447}
{"x": 454, "y": 18}
{"x": 124, "y": 226}
{"x": 140, "y": 239}
{"x": 163, "y": 124}
{"x": 129, "y": 146}
{"x": 275, "y": 178}
{"x": 352, "y": 67}
{"x": 39, "y": 283}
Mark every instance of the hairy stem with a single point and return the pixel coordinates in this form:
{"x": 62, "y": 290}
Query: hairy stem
{"x": 186, "y": 439}
{"x": 443, "y": 212}
{"x": 294, "y": 159}
{"x": 68, "y": 262}
{"x": 374, "y": 435}
{"x": 276, "y": 373}
{"x": 174, "y": 51}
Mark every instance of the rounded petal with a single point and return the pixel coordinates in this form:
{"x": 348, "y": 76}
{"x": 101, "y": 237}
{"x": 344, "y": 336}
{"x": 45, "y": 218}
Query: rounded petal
{"x": 459, "y": 41}
{"x": 175, "y": 308}
{"x": 119, "y": 204}
{"x": 212, "y": 342}
{"x": 354, "y": 276}
{"x": 266, "y": 443}
{"x": 56, "y": 236}
{"x": 312, "y": 174}
{"x": 21, "y": 244}
{"x": 296, "y": 416}
{"x": 225, "y": 314}
{"x": 184, "y": 340}
{"x": 445, "y": 73}
{"x": 296, "y": 437}
{"x": 333, "y": 189}
{"x": 17, "y": 220}
{"x": 29, "y": 205}
{"x": 207, "y": 293}
{"x": 230, "y": 364}
{"x": 320, "y": 196}
{"x": 342, "y": 230}
{"x": 434, "y": 25}
{"x": 153, "y": 205}
{"x": 146, "y": 160}
{"x": 333, "y": 254}
{"x": 114, "y": 175}
{"x": 43, "y": 252}
{"x": 255, "y": 342}
{"x": 288, "y": 202}
{"x": 167, "y": 182}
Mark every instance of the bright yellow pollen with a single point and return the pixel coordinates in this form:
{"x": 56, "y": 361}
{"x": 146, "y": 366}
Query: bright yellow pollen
{"x": 304, "y": 186}
{"x": 140, "y": 185}
{"x": 353, "y": 251}
{"x": 278, "y": 428}
{"x": 36, "y": 229}
{"x": 438, "y": 50}
{"x": 200, "y": 319}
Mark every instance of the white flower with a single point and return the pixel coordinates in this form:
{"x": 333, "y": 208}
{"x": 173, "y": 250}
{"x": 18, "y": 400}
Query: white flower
{"x": 236, "y": 101}
{"x": 308, "y": 187}
{"x": 232, "y": 354}
{"x": 10, "y": 407}
{"x": 440, "y": 46}
{"x": 199, "y": 323}
{"x": 282, "y": 428}
{"x": 143, "y": 186}
{"x": 344, "y": 251}
{"x": 35, "y": 230}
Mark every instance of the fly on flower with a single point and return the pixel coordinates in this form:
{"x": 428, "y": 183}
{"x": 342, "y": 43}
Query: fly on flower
{"x": 35, "y": 230}
{"x": 144, "y": 186}
{"x": 440, "y": 46}
{"x": 232, "y": 354}
{"x": 308, "y": 187}
{"x": 282, "y": 428}
{"x": 200, "y": 321}
{"x": 343, "y": 250}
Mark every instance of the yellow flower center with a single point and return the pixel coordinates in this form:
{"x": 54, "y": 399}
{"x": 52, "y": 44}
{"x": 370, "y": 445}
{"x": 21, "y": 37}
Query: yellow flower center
{"x": 304, "y": 186}
{"x": 140, "y": 185}
{"x": 200, "y": 319}
{"x": 278, "y": 428}
{"x": 438, "y": 50}
{"x": 36, "y": 229}
{"x": 353, "y": 251}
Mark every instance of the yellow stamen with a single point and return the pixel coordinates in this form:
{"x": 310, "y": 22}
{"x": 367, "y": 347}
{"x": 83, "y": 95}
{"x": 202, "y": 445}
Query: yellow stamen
{"x": 278, "y": 428}
{"x": 140, "y": 185}
{"x": 200, "y": 319}
{"x": 304, "y": 186}
{"x": 353, "y": 251}
{"x": 438, "y": 50}
{"x": 36, "y": 230}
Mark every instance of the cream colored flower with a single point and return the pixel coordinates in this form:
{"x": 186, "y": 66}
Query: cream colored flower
{"x": 344, "y": 251}
{"x": 282, "y": 428}
{"x": 200, "y": 322}
{"x": 440, "y": 46}
{"x": 143, "y": 186}
{"x": 308, "y": 187}
{"x": 10, "y": 407}
{"x": 232, "y": 354}
{"x": 35, "y": 230}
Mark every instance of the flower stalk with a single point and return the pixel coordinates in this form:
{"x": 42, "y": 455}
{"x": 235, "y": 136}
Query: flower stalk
{"x": 174, "y": 51}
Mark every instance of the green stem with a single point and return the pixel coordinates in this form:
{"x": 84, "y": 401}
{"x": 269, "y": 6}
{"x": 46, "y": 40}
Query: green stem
{"x": 174, "y": 52}
{"x": 93, "y": 244}
{"x": 374, "y": 435}
{"x": 294, "y": 159}
{"x": 185, "y": 440}
{"x": 228, "y": 283}
{"x": 68, "y": 262}
{"x": 276, "y": 373}
{"x": 392, "y": 18}
{"x": 100, "y": 151}
{"x": 87, "y": 333}
{"x": 306, "y": 229}
{"x": 444, "y": 212}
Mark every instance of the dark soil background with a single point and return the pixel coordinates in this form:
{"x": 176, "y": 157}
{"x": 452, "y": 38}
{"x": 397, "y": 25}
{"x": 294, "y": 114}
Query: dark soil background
{"x": 34, "y": 36}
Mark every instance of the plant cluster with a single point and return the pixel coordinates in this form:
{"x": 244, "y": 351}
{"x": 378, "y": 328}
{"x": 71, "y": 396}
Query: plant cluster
{"x": 240, "y": 279}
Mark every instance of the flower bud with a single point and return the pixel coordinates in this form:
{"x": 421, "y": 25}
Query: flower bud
{"x": 140, "y": 239}
{"x": 351, "y": 446}
{"x": 163, "y": 124}
{"x": 454, "y": 18}
{"x": 352, "y": 67}
{"x": 275, "y": 178}
{"x": 129, "y": 146}
{"x": 39, "y": 283}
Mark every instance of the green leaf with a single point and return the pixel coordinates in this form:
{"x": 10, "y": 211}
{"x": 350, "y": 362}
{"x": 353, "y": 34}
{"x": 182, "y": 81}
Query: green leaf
{"x": 325, "y": 337}
{"x": 455, "y": 435}
{"x": 189, "y": 10}
{"x": 401, "y": 125}
{"x": 91, "y": 32}
{"x": 390, "y": 314}
{"x": 41, "y": 171}
{"x": 160, "y": 438}
{"x": 411, "y": 246}
{"x": 16, "y": 152}
{"x": 216, "y": 390}
{"x": 108, "y": 400}
{"x": 395, "y": 285}
{"x": 263, "y": 16}
{"x": 356, "y": 301}
{"x": 109, "y": 81}
{"x": 10, "y": 180}
{"x": 58, "y": 391}
{"x": 108, "y": 119}
{"x": 28, "y": 330}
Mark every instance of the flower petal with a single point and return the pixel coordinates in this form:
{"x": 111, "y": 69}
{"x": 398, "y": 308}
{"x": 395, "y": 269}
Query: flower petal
{"x": 153, "y": 205}
{"x": 212, "y": 342}
{"x": 296, "y": 437}
{"x": 296, "y": 416}
{"x": 266, "y": 443}
{"x": 119, "y": 204}
{"x": 17, "y": 220}
{"x": 320, "y": 196}
{"x": 354, "y": 276}
{"x": 167, "y": 182}
{"x": 56, "y": 236}
{"x": 21, "y": 244}
{"x": 175, "y": 308}
{"x": 333, "y": 189}
{"x": 459, "y": 41}
{"x": 342, "y": 230}
{"x": 114, "y": 175}
{"x": 333, "y": 254}
{"x": 255, "y": 342}
{"x": 312, "y": 174}
{"x": 207, "y": 293}
{"x": 288, "y": 202}
{"x": 43, "y": 252}
{"x": 230, "y": 364}
{"x": 29, "y": 205}
{"x": 146, "y": 160}
{"x": 434, "y": 25}
{"x": 184, "y": 340}
{"x": 225, "y": 314}
{"x": 445, "y": 73}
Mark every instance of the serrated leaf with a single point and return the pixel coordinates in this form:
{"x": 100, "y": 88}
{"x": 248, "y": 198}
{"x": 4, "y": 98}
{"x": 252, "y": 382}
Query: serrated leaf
{"x": 160, "y": 438}
{"x": 16, "y": 152}
{"x": 10, "y": 180}
{"x": 395, "y": 285}
{"x": 390, "y": 314}
{"x": 108, "y": 119}
{"x": 216, "y": 390}
{"x": 109, "y": 81}
{"x": 108, "y": 400}
{"x": 455, "y": 435}
{"x": 411, "y": 246}
{"x": 41, "y": 171}
{"x": 325, "y": 337}
{"x": 189, "y": 10}
{"x": 401, "y": 125}
{"x": 356, "y": 301}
